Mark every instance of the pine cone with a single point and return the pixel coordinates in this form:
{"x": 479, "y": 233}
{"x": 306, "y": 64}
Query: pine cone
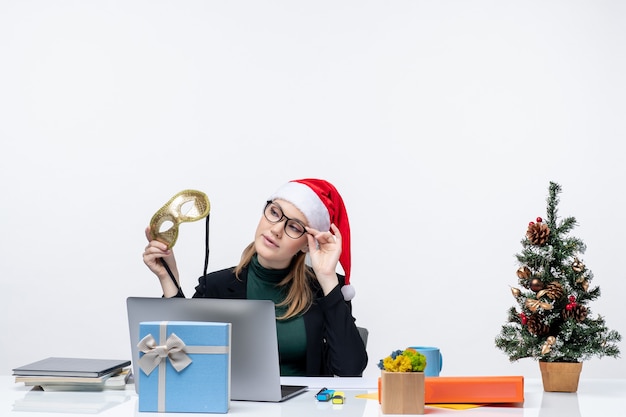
{"x": 536, "y": 325}
{"x": 578, "y": 313}
{"x": 553, "y": 291}
{"x": 538, "y": 233}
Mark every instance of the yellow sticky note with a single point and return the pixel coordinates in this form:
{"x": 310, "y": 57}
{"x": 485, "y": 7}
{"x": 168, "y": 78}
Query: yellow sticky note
{"x": 374, "y": 396}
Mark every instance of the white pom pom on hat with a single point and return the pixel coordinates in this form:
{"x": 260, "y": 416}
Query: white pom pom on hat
{"x": 322, "y": 205}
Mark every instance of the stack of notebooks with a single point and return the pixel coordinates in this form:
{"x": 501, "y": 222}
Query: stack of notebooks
{"x": 74, "y": 374}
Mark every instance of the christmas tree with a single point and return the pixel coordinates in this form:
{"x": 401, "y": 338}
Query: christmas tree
{"x": 554, "y": 322}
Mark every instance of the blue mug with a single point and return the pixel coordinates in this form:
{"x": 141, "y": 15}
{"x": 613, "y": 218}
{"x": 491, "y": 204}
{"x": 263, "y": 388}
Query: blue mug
{"x": 434, "y": 359}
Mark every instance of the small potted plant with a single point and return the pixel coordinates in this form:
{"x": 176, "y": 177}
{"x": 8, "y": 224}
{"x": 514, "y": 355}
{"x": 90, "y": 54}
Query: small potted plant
{"x": 553, "y": 322}
{"x": 402, "y": 382}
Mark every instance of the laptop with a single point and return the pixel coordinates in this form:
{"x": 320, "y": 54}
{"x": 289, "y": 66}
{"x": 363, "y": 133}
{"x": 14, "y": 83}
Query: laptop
{"x": 255, "y": 371}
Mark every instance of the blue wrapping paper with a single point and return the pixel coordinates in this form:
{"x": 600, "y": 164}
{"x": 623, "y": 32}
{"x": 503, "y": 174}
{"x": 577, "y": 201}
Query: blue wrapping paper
{"x": 185, "y": 367}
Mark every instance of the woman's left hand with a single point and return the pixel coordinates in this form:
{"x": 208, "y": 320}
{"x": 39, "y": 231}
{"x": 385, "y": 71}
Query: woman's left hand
{"x": 324, "y": 251}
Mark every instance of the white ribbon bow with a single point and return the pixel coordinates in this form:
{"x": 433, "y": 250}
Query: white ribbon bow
{"x": 154, "y": 354}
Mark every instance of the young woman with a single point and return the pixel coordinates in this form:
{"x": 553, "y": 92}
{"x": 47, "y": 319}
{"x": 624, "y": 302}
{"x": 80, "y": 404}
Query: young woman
{"x": 317, "y": 334}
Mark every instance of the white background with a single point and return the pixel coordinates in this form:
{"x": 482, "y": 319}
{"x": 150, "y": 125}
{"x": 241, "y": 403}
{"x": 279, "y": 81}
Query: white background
{"x": 441, "y": 123}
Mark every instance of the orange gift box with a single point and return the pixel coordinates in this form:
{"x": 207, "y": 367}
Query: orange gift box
{"x": 471, "y": 389}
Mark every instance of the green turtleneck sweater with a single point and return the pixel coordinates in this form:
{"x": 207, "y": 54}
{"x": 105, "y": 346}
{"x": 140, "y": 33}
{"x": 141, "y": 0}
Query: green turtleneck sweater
{"x": 263, "y": 285}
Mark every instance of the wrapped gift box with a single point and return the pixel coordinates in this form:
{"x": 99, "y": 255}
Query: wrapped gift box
{"x": 184, "y": 366}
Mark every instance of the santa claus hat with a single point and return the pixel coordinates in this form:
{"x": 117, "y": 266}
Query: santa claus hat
{"x": 322, "y": 205}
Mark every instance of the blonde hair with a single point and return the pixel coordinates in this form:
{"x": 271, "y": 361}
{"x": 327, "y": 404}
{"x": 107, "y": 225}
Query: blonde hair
{"x": 299, "y": 295}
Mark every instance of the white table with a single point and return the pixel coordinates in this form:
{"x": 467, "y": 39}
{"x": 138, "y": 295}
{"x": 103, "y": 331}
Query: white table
{"x": 595, "y": 398}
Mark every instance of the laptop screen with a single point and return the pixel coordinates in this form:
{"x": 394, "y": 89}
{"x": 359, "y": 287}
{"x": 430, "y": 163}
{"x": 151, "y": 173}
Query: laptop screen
{"x": 255, "y": 371}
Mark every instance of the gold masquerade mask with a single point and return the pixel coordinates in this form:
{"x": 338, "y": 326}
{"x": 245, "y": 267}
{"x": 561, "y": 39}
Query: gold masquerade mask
{"x": 186, "y": 206}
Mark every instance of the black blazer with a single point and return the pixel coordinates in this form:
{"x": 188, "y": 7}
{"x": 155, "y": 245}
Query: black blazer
{"x": 334, "y": 345}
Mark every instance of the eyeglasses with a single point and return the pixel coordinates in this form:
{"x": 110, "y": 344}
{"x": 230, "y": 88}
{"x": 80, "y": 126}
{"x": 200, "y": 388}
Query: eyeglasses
{"x": 274, "y": 214}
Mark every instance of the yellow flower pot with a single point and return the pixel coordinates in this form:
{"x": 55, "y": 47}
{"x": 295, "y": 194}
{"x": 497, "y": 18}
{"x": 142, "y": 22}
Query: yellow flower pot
{"x": 402, "y": 392}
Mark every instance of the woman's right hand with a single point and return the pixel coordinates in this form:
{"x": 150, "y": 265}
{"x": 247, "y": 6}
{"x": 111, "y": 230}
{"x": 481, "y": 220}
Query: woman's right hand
{"x": 152, "y": 255}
